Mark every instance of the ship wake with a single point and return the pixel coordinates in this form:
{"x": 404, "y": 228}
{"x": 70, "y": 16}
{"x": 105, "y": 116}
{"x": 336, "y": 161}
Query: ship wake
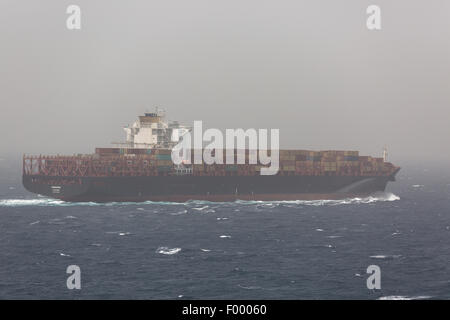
{"x": 48, "y": 202}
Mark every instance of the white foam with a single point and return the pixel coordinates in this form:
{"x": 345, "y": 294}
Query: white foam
{"x": 167, "y": 250}
{"x": 377, "y": 197}
{"x": 205, "y": 250}
{"x": 404, "y": 298}
{"x": 224, "y": 236}
{"x": 42, "y": 201}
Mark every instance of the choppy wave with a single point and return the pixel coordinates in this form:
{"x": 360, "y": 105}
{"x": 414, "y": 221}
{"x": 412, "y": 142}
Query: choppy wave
{"x": 48, "y": 202}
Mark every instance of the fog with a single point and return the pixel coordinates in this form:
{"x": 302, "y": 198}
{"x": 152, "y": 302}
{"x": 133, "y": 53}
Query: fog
{"x": 310, "y": 68}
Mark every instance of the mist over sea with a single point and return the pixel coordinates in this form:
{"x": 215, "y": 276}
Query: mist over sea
{"x": 240, "y": 250}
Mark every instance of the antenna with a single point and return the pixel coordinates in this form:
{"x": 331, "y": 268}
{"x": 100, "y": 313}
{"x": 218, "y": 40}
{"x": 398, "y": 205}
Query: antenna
{"x": 385, "y": 154}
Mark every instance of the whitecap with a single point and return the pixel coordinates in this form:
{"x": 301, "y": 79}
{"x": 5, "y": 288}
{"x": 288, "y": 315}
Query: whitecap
{"x": 201, "y": 208}
{"x": 35, "y": 222}
{"x": 167, "y": 250}
{"x": 120, "y": 233}
{"x": 205, "y": 250}
{"x": 225, "y": 236}
{"x": 64, "y": 254}
{"x": 95, "y": 244}
{"x": 178, "y": 213}
{"x": 385, "y": 256}
{"x": 320, "y": 230}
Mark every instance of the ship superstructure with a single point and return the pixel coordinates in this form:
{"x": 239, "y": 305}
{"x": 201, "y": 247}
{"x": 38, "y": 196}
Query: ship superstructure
{"x": 152, "y": 131}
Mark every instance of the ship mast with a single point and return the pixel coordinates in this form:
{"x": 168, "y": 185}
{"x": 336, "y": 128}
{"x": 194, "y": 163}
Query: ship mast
{"x": 385, "y": 154}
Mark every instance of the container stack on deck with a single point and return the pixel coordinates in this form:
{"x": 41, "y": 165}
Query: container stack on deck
{"x": 151, "y": 162}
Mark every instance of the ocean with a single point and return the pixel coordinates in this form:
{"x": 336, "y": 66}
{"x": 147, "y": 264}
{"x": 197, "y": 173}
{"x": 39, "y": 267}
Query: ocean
{"x": 239, "y": 250}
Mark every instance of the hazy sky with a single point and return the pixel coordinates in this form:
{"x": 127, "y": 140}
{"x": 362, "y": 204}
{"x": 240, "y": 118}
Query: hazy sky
{"x": 310, "y": 68}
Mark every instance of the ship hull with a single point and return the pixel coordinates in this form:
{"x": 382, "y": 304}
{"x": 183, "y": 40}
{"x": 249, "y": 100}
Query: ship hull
{"x": 209, "y": 188}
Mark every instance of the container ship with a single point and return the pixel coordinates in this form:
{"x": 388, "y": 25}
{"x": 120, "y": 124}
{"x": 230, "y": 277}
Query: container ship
{"x": 141, "y": 169}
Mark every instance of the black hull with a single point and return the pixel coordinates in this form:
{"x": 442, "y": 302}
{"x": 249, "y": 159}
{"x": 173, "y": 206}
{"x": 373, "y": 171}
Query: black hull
{"x": 211, "y": 188}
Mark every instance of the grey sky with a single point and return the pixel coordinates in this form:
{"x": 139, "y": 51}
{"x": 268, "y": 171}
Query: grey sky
{"x": 309, "y": 68}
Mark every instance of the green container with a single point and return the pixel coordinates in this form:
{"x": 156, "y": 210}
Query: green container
{"x": 164, "y": 168}
{"x": 163, "y": 157}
